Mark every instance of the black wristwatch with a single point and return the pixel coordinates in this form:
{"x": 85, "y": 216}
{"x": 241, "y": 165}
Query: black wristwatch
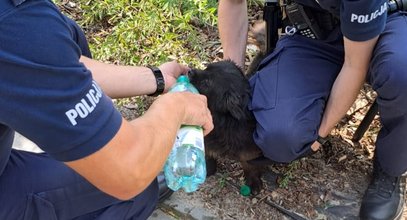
{"x": 159, "y": 79}
{"x": 322, "y": 140}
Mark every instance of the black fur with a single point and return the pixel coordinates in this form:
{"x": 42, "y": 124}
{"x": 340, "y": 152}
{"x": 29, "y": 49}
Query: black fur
{"x": 227, "y": 90}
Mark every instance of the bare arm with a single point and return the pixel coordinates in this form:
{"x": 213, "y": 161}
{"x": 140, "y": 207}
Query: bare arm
{"x": 233, "y": 26}
{"x": 126, "y": 165}
{"x": 132, "y": 159}
{"x": 126, "y": 81}
{"x": 348, "y": 83}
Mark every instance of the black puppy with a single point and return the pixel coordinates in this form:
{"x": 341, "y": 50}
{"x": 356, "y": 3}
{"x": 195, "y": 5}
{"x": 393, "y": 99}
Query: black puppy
{"x": 227, "y": 90}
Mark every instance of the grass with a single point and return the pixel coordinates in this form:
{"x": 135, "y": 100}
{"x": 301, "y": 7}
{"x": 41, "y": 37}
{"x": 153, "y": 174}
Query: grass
{"x": 148, "y": 32}
{"x": 288, "y": 174}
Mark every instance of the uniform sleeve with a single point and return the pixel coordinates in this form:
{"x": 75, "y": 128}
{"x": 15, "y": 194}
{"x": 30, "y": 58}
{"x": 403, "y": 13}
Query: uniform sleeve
{"x": 363, "y": 20}
{"x": 46, "y": 94}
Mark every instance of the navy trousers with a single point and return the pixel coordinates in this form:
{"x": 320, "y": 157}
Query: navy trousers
{"x": 292, "y": 85}
{"x": 36, "y": 187}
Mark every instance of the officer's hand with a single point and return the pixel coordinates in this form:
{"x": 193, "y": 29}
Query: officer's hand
{"x": 193, "y": 108}
{"x": 197, "y": 112}
{"x": 171, "y": 71}
{"x": 315, "y": 146}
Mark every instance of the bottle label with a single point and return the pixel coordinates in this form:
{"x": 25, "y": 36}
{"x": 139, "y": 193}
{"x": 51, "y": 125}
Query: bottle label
{"x": 190, "y": 135}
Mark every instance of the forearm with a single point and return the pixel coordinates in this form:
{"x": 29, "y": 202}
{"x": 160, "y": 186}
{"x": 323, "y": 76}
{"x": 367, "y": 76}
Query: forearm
{"x": 157, "y": 134}
{"x": 121, "y": 81}
{"x": 233, "y": 26}
{"x": 343, "y": 95}
{"x": 348, "y": 83}
{"x": 130, "y": 161}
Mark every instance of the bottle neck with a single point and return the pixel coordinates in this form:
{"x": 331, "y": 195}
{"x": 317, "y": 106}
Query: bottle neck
{"x": 183, "y": 79}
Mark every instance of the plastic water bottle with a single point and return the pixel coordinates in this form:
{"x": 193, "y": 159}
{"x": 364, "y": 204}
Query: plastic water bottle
{"x": 185, "y": 167}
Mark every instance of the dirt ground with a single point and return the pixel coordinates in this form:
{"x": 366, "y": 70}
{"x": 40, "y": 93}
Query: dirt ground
{"x": 326, "y": 185}
{"x": 321, "y": 186}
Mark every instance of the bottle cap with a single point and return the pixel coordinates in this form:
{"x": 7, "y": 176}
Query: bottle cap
{"x": 183, "y": 79}
{"x": 245, "y": 190}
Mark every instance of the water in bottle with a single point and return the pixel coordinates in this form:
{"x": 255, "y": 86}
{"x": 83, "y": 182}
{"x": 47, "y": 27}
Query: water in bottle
{"x": 185, "y": 167}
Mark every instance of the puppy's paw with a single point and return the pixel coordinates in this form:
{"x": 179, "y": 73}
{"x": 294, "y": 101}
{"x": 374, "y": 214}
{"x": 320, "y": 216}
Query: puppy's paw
{"x": 255, "y": 183}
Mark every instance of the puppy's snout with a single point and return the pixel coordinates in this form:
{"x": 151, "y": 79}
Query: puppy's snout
{"x": 191, "y": 74}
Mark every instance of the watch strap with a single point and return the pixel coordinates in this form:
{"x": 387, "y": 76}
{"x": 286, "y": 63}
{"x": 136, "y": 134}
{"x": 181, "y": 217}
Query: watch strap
{"x": 322, "y": 140}
{"x": 159, "y": 79}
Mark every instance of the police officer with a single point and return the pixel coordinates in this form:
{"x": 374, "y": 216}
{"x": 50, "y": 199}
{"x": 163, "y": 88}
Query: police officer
{"x": 97, "y": 165}
{"x": 307, "y": 84}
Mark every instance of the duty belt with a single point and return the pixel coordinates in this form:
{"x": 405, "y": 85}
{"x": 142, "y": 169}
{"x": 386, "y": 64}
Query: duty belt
{"x": 307, "y": 21}
{"x": 317, "y": 24}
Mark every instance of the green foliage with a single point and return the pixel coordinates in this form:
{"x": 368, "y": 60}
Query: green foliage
{"x": 288, "y": 175}
{"x": 255, "y": 3}
{"x": 222, "y": 180}
{"x": 149, "y": 31}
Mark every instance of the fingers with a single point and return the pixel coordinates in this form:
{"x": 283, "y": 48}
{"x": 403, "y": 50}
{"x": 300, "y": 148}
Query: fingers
{"x": 171, "y": 71}
{"x": 199, "y": 114}
{"x": 184, "y": 69}
{"x": 315, "y": 146}
{"x": 194, "y": 109}
{"x": 208, "y": 124}
{"x": 174, "y": 68}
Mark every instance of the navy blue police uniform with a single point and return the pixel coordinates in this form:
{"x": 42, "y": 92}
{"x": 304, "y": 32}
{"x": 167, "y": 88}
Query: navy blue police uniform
{"x": 292, "y": 85}
{"x": 47, "y": 95}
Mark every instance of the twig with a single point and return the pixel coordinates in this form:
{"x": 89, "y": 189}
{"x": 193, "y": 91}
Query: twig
{"x": 284, "y": 210}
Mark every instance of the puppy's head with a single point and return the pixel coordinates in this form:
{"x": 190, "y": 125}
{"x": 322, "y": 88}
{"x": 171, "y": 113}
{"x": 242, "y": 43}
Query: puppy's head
{"x": 225, "y": 86}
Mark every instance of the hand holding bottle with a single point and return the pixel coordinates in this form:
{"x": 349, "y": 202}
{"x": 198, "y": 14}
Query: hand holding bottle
{"x": 186, "y": 167}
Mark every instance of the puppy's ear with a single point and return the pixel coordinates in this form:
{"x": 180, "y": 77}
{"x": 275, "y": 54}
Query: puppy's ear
{"x": 232, "y": 103}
